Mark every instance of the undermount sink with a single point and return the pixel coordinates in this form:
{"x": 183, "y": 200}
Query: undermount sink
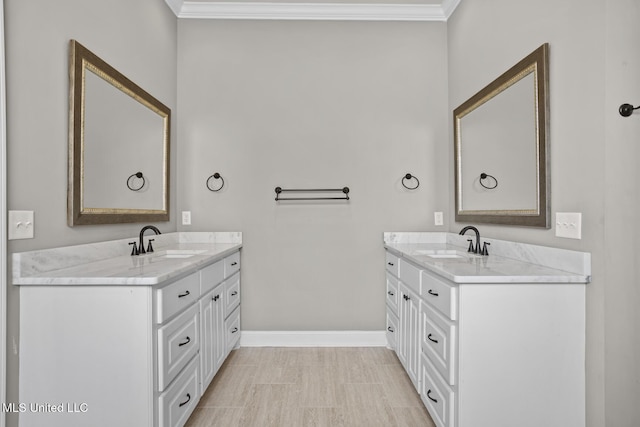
{"x": 444, "y": 254}
{"x": 177, "y": 253}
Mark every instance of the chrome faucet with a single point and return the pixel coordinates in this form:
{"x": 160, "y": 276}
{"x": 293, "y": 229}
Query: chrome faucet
{"x": 475, "y": 249}
{"x": 141, "y": 249}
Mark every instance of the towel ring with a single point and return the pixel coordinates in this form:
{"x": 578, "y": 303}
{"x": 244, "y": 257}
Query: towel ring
{"x": 215, "y": 176}
{"x": 408, "y": 177}
{"x": 136, "y": 175}
{"x": 485, "y": 176}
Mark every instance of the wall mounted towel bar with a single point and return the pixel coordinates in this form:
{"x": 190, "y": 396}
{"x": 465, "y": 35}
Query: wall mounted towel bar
{"x": 344, "y": 191}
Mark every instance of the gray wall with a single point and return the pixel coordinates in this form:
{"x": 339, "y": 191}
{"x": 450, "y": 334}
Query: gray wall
{"x": 305, "y": 104}
{"x": 137, "y": 38}
{"x": 312, "y": 105}
{"x": 594, "y": 67}
{"x": 621, "y": 204}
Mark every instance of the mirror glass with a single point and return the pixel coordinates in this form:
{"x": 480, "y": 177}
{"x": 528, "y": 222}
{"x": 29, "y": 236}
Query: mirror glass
{"x": 500, "y": 137}
{"x": 119, "y": 146}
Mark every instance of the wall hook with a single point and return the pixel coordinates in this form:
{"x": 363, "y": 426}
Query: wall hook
{"x": 215, "y": 176}
{"x": 626, "y": 110}
{"x": 408, "y": 177}
{"x": 485, "y": 176}
{"x": 139, "y": 176}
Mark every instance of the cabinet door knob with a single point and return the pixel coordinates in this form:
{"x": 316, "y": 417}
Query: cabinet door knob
{"x": 406, "y": 297}
{"x": 431, "y": 398}
{"x": 186, "y": 401}
{"x": 390, "y": 329}
{"x": 430, "y": 292}
{"x": 185, "y": 343}
{"x": 431, "y": 339}
{"x": 184, "y": 295}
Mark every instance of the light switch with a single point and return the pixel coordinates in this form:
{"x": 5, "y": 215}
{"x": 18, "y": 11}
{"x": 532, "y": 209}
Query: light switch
{"x": 186, "y": 217}
{"x": 20, "y": 225}
{"x": 438, "y": 218}
{"x": 569, "y": 225}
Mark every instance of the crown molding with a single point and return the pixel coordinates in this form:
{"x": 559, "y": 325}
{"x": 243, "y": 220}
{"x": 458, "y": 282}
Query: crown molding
{"x": 313, "y": 11}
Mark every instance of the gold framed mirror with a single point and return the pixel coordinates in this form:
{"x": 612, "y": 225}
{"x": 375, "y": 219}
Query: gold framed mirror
{"x": 500, "y": 147}
{"x": 119, "y": 137}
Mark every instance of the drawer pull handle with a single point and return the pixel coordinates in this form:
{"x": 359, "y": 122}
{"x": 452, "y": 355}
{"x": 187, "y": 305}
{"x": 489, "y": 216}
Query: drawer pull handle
{"x": 390, "y": 263}
{"x": 431, "y": 398}
{"x": 234, "y": 330}
{"x": 185, "y": 343}
{"x": 435, "y": 294}
{"x": 390, "y": 329}
{"x": 187, "y": 293}
{"x": 431, "y": 339}
{"x": 186, "y": 401}
{"x": 391, "y": 293}
{"x": 234, "y": 293}
{"x": 234, "y": 263}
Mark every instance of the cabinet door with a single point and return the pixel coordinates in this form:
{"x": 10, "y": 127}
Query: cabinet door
{"x": 232, "y": 328}
{"x": 231, "y": 294}
{"x": 212, "y": 335}
{"x": 218, "y": 329}
{"x": 409, "y": 337}
{"x": 207, "y": 337}
{"x": 413, "y": 350}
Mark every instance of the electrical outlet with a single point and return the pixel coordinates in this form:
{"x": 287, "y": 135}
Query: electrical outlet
{"x": 20, "y": 225}
{"x": 186, "y": 217}
{"x": 569, "y": 225}
{"x": 438, "y": 218}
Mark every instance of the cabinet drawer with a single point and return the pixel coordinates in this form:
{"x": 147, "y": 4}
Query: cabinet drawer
{"x": 440, "y": 295}
{"x": 410, "y": 276}
{"x": 392, "y": 264}
{"x": 232, "y": 330}
{"x": 437, "y": 396}
{"x": 176, "y": 297}
{"x": 231, "y": 264}
{"x": 178, "y": 342}
{"x": 210, "y": 276}
{"x": 231, "y": 294}
{"x": 439, "y": 341}
{"x": 392, "y": 293}
{"x": 177, "y": 403}
{"x": 392, "y": 330}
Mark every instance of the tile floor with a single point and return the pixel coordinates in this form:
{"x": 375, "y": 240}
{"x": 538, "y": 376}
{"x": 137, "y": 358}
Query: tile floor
{"x": 265, "y": 386}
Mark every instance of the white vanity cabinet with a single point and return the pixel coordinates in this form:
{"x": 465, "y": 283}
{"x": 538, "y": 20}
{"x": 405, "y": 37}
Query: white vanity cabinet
{"x": 126, "y": 355}
{"x": 493, "y": 354}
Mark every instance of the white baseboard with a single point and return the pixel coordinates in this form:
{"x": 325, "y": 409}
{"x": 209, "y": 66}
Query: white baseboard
{"x": 313, "y": 339}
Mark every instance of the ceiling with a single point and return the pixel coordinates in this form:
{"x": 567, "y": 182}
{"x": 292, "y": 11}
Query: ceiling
{"x": 345, "y": 10}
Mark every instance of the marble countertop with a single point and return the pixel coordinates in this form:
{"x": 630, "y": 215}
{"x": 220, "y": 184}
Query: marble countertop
{"x": 110, "y": 263}
{"x": 508, "y": 262}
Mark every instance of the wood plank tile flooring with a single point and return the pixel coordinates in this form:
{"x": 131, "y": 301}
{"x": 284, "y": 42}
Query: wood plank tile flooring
{"x": 283, "y": 386}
